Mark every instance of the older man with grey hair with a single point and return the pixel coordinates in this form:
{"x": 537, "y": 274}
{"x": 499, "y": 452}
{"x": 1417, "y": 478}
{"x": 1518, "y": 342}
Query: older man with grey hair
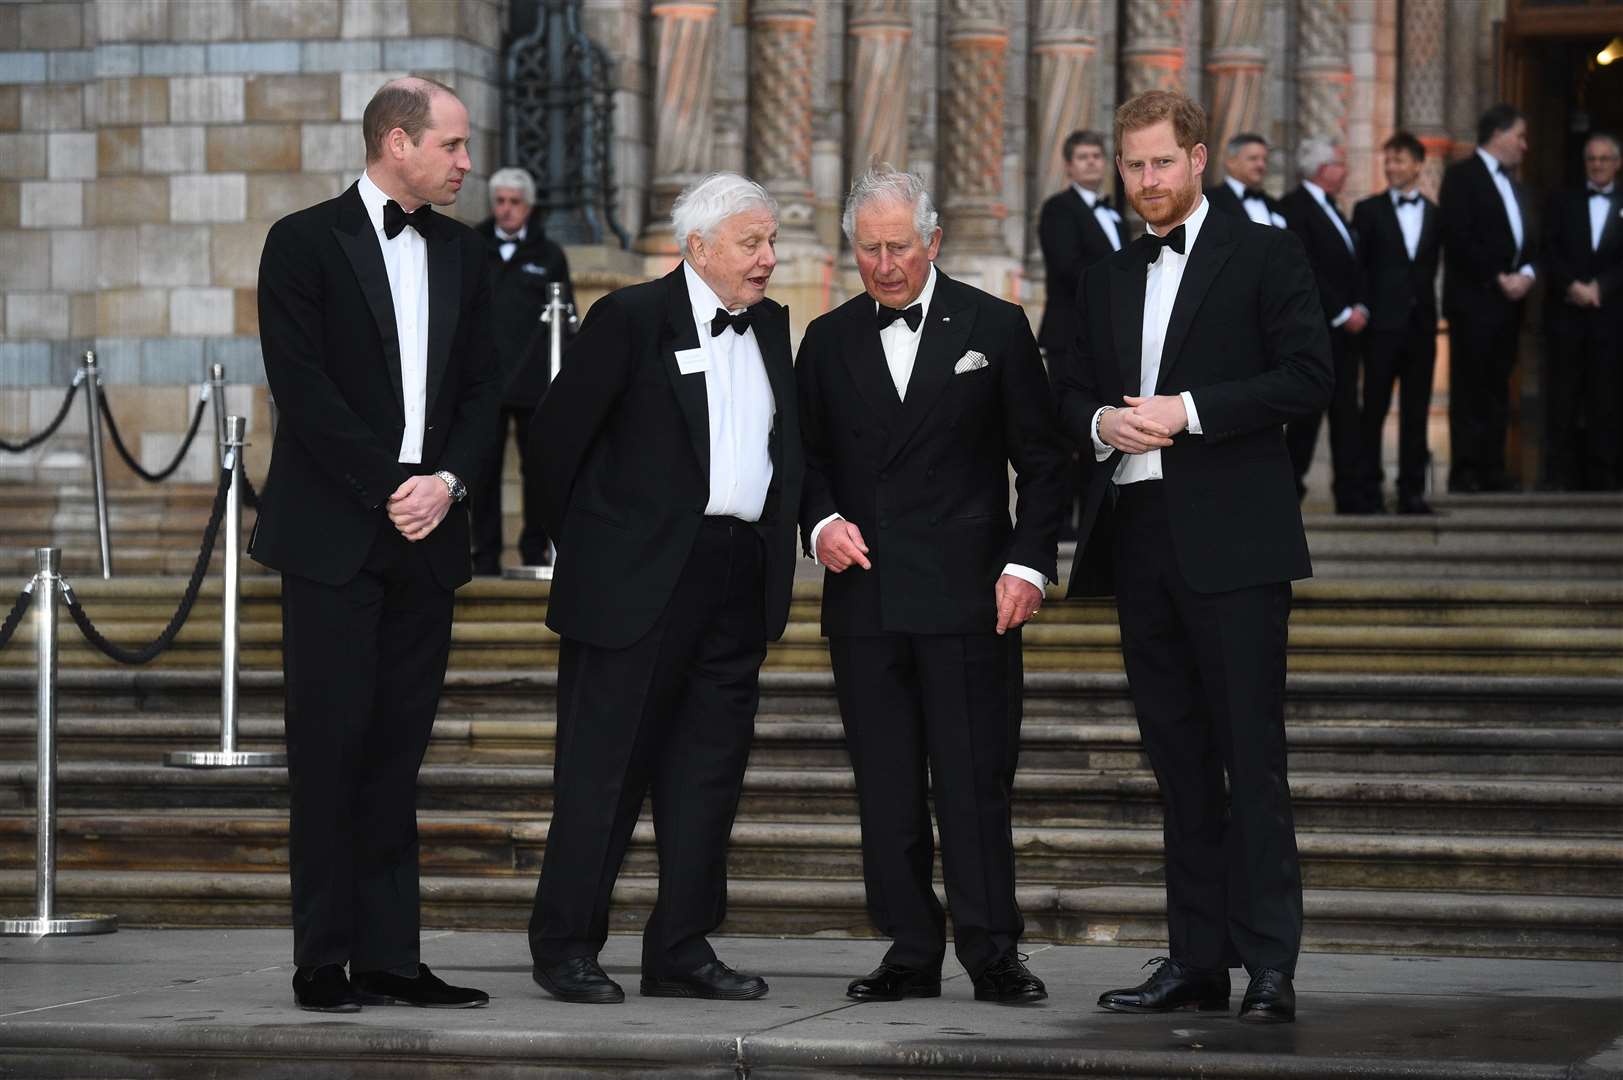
{"x": 915, "y": 398}
{"x": 671, "y": 472}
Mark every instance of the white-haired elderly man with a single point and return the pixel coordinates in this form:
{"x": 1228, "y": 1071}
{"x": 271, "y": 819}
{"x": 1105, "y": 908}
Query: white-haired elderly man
{"x": 915, "y": 398}
{"x": 671, "y": 472}
{"x": 1332, "y": 250}
{"x": 524, "y": 264}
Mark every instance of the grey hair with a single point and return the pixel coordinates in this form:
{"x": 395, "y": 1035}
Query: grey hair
{"x": 883, "y": 183}
{"x": 1240, "y": 141}
{"x": 1315, "y": 153}
{"x": 703, "y": 206}
{"x": 513, "y": 178}
{"x": 1605, "y": 137}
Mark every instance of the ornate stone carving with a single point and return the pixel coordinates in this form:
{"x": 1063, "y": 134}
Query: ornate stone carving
{"x": 1064, "y": 42}
{"x": 876, "y": 105}
{"x": 683, "y": 92}
{"x": 972, "y": 122}
{"x": 1423, "y": 109}
{"x": 1323, "y": 73}
{"x": 782, "y": 39}
{"x": 1152, "y": 55}
{"x": 1236, "y": 65}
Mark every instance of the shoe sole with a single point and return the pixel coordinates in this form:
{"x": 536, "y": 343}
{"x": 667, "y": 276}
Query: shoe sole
{"x": 386, "y": 999}
{"x": 933, "y": 992}
{"x": 1028, "y": 997}
{"x": 675, "y": 991}
{"x": 1199, "y": 1006}
{"x": 599, "y": 997}
{"x": 352, "y": 1007}
{"x": 1255, "y": 1017}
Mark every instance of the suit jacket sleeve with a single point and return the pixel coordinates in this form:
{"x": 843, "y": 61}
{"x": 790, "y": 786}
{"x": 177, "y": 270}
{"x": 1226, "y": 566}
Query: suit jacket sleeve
{"x": 1363, "y": 230}
{"x": 471, "y": 451}
{"x": 1062, "y": 252}
{"x": 1561, "y": 269}
{"x": 1465, "y": 234}
{"x": 1296, "y": 348}
{"x": 1076, "y": 381}
{"x": 309, "y": 403}
{"x": 1038, "y": 453}
{"x": 816, "y": 498}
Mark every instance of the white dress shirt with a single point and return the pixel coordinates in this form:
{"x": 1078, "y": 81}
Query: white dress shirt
{"x": 1411, "y": 219}
{"x": 1255, "y": 209}
{"x": 1107, "y": 218}
{"x": 1330, "y": 212}
{"x": 405, "y": 258}
{"x": 740, "y": 404}
{"x": 1598, "y": 209}
{"x": 1161, "y": 283}
{"x": 901, "y": 345}
{"x": 1507, "y": 195}
{"x": 510, "y": 241}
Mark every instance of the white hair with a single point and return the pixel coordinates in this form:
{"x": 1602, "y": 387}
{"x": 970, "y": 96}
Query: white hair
{"x": 513, "y": 178}
{"x": 884, "y": 184}
{"x": 703, "y": 206}
{"x": 1315, "y": 153}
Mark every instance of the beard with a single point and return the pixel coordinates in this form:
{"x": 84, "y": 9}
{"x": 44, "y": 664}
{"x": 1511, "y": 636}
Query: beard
{"x": 1175, "y": 207}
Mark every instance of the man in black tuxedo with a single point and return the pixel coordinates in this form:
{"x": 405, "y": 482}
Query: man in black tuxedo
{"x": 524, "y": 265}
{"x": 1333, "y": 253}
{"x": 375, "y": 321}
{"x": 1488, "y": 248}
{"x": 1398, "y": 242}
{"x": 671, "y": 470}
{"x": 1240, "y": 193}
{"x": 1583, "y": 254}
{"x": 1201, "y": 341}
{"x": 915, "y": 398}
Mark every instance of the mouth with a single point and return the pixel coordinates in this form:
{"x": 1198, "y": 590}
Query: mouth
{"x": 759, "y": 281}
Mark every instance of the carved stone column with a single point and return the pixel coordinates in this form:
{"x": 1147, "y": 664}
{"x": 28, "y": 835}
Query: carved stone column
{"x": 1323, "y": 73}
{"x": 1464, "y": 103}
{"x": 782, "y": 37}
{"x": 1152, "y": 53}
{"x": 881, "y": 34}
{"x": 1063, "y": 43}
{"x": 685, "y": 67}
{"x": 1235, "y": 65}
{"x": 977, "y": 40}
{"x": 1423, "y": 108}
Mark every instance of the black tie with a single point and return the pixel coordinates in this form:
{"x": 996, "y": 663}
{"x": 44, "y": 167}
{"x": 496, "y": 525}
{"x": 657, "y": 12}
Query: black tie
{"x": 395, "y": 219}
{"x": 1597, "y": 193}
{"x": 1104, "y": 201}
{"x": 1154, "y": 244}
{"x": 1408, "y": 200}
{"x": 1253, "y": 193}
{"x": 910, "y": 315}
{"x": 721, "y": 320}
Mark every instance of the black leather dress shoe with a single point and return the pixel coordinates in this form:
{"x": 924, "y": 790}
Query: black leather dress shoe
{"x": 1008, "y": 982}
{"x": 713, "y": 981}
{"x": 325, "y": 989}
{"x": 1173, "y": 986}
{"x": 579, "y": 981}
{"x": 1414, "y": 504}
{"x": 426, "y": 990}
{"x": 891, "y": 982}
{"x": 1270, "y": 999}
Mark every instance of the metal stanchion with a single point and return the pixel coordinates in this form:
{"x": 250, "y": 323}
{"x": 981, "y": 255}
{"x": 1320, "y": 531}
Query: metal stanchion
{"x": 45, "y": 921}
{"x": 555, "y": 315}
{"x": 98, "y": 471}
{"x": 216, "y": 388}
{"x": 228, "y": 756}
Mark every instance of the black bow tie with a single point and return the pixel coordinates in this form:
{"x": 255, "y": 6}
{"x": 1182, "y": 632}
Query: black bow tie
{"x": 1597, "y": 193}
{"x": 395, "y": 219}
{"x": 721, "y": 320}
{"x": 1408, "y": 200}
{"x": 910, "y": 315}
{"x": 1254, "y": 193}
{"x": 1102, "y": 203}
{"x": 1154, "y": 244}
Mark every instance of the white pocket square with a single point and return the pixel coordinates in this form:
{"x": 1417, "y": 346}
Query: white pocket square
{"x": 970, "y": 361}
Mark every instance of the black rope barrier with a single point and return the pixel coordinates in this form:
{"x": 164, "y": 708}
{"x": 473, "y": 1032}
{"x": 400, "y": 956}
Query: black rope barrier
{"x": 250, "y": 494}
{"x": 129, "y": 459}
{"x": 9, "y": 627}
{"x": 50, "y": 429}
{"x": 150, "y": 650}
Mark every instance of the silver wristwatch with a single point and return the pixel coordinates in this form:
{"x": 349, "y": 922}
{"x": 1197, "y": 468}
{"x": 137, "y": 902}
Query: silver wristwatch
{"x": 457, "y": 488}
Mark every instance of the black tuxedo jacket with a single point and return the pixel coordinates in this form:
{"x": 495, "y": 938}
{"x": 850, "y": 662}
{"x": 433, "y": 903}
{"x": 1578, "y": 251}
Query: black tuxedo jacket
{"x": 622, "y": 441}
{"x": 927, "y": 480}
{"x": 1247, "y": 338}
{"x": 332, "y": 359}
{"x": 1478, "y": 244}
{"x": 1400, "y": 292}
{"x": 1568, "y": 256}
{"x": 1223, "y": 200}
{"x": 519, "y": 290}
{"x": 1072, "y": 240}
{"x": 1335, "y": 268}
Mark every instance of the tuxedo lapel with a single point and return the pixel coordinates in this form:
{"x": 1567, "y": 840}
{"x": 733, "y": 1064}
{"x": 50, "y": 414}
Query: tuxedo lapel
{"x": 1428, "y": 226}
{"x": 865, "y": 359}
{"x": 1212, "y": 249}
{"x": 946, "y": 332}
{"x": 359, "y": 242}
{"x": 1088, "y": 221}
{"x": 1611, "y": 229}
{"x": 444, "y": 305}
{"x": 681, "y": 333}
{"x": 1127, "y": 308}
{"x": 772, "y": 334}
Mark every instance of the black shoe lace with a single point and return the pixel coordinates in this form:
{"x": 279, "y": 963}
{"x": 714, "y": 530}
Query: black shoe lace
{"x": 1007, "y": 962}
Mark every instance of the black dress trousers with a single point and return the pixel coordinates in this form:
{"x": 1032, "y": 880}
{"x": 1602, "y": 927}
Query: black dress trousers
{"x": 1482, "y": 354}
{"x": 1581, "y": 425}
{"x": 485, "y": 500}
{"x": 1346, "y": 443}
{"x": 1407, "y": 357}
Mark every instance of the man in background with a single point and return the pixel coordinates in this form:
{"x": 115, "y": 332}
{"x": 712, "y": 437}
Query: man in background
{"x": 1245, "y": 165}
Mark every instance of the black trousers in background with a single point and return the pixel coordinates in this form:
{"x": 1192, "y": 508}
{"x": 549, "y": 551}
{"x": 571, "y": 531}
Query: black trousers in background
{"x": 1407, "y": 357}
{"x": 1582, "y": 420}
{"x": 941, "y": 714}
{"x": 364, "y": 664}
{"x": 1346, "y": 441}
{"x": 1207, "y": 676}
{"x": 673, "y": 713}
{"x": 485, "y": 500}
{"x": 1481, "y": 356}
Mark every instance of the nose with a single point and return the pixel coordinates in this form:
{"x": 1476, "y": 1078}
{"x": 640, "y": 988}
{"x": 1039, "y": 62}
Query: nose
{"x": 769, "y": 256}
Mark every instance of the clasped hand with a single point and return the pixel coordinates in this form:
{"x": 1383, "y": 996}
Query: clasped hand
{"x": 418, "y": 506}
{"x": 1147, "y": 423}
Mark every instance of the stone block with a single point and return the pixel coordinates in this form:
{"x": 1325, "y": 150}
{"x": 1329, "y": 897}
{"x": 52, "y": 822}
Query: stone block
{"x": 206, "y": 20}
{"x": 174, "y": 255}
{"x": 212, "y": 197}
{"x": 11, "y": 195}
{"x": 202, "y": 312}
{"x": 243, "y": 362}
{"x": 272, "y": 196}
{"x": 73, "y": 260}
{"x": 333, "y": 148}
{"x": 484, "y": 102}
{"x": 356, "y": 89}
{"x": 247, "y": 312}
{"x": 234, "y": 252}
{"x": 434, "y": 18}
{"x": 172, "y": 150}
{"x": 117, "y": 61}
{"x": 71, "y": 155}
{"x": 53, "y": 108}
{"x": 316, "y": 56}
{"x": 22, "y": 67}
{"x": 27, "y": 262}
{"x": 482, "y": 22}
{"x": 51, "y": 26}
{"x": 129, "y": 200}
{"x": 265, "y": 19}
{"x": 118, "y": 151}
{"x": 170, "y": 59}
{"x": 22, "y": 156}
{"x": 132, "y": 20}
{"x": 254, "y": 57}
{"x": 174, "y": 361}
{"x": 479, "y": 61}
{"x": 118, "y": 257}
{"x": 420, "y": 54}
{"x": 132, "y": 312}
{"x": 74, "y": 66}
{"x": 129, "y": 101}
{"x": 119, "y": 358}
{"x": 293, "y": 97}
{"x": 207, "y": 99}
{"x": 82, "y": 315}
{"x": 10, "y": 28}
{"x": 37, "y": 315}
{"x": 376, "y": 19}
{"x": 52, "y": 204}
{"x": 254, "y": 148}
{"x": 11, "y": 108}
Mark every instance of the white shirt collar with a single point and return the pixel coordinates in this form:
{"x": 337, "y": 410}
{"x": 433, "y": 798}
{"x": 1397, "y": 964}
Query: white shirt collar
{"x": 702, "y": 297}
{"x": 1316, "y": 191}
{"x": 1397, "y": 194}
{"x": 1089, "y": 197}
{"x": 1236, "y": 187}
{"x": 1191, "y": 226}
{"x": 923, "y": 300}
{"x": 1494, "y": 164}
{"x": 373, "y": 198}
{"x": 513, "y": 237}
{"x": 1607, "y": 190}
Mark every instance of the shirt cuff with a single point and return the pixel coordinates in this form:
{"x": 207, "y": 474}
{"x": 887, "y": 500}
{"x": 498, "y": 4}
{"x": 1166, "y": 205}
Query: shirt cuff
{"x": 816, "y": 532}
{"x": 1346, "y": 313}
{"x": 1101, "y": 449}
{"x": 1527, "y": 269}
{"x": 1194, "y": 417}
{"x": 1026, "y": 573}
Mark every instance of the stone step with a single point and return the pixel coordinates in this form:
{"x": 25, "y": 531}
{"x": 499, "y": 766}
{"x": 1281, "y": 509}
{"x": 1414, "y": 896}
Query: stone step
{"x": 1350, "y": 920}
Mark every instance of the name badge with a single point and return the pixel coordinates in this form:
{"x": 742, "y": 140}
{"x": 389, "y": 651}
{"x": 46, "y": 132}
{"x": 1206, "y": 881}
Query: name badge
{"x": 691, "y": 361}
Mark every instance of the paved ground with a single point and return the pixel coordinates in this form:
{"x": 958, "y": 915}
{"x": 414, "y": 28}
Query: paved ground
{"x": 212, "y": 1003}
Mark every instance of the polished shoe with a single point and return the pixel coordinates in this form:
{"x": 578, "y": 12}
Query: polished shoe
{"x": 1173, "y": 986}
{"x": 891, "y": 982}
{"x": 1415, "y": 504}
{"x": 1008, "y": 982}
{"x": 1270, "y": 999}
{"x": 579, "y": 981}
{"x": 713, "y": 981}
{"x": 325, "y": 989}
{"x": 425, "y": 990}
